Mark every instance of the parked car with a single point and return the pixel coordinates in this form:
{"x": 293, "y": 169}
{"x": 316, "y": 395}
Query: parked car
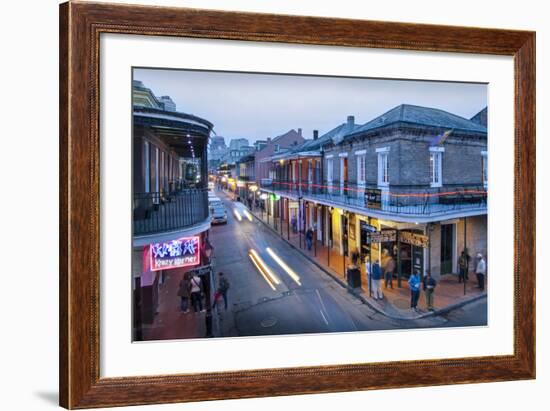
{"x": 218, "y": 213}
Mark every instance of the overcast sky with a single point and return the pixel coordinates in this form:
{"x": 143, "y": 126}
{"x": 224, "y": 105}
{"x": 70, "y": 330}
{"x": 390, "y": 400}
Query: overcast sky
{"x": 257, "y": 106}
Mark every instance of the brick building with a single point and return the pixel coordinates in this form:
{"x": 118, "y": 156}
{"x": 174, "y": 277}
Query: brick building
{"x": 411, "y": 183}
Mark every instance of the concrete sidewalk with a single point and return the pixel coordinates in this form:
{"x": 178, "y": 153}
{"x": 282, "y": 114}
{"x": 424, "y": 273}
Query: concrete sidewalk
{"x": 171, "y": 322}
{"x": 449, "y": 294}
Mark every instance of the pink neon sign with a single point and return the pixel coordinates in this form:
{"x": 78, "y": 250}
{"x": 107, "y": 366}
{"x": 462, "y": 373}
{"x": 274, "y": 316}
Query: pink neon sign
{"x": 183, "y": 252}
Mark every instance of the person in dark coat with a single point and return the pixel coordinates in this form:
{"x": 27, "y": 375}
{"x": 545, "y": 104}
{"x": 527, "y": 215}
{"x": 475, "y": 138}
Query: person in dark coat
{"x": 184, "y": 292}
{"x": 309, "y": 238}
{"x": 221, "y": 292}
{"x": 429, "y": 284}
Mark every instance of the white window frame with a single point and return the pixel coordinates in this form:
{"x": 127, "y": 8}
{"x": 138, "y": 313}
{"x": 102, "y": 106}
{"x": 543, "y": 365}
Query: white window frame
{"x": 361, "y": 168}
{"x": 383, "y": 166}
{"x": 330, "y": 172}
{"x": 157, "y": 181}
{"x": 342, "y": 160}
{"x": 147, "y": 160}
{"x": 436, "y": 166}
{"x": 484, "y": 168}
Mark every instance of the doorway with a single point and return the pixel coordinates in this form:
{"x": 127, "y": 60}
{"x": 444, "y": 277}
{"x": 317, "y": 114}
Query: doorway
{"x": 447, "y": 247}
{"x": 344, "y": 175}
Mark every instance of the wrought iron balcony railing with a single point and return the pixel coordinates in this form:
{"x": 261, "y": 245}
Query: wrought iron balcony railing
{"x": 160, "y": 212}
{"x": 403, "y": 200}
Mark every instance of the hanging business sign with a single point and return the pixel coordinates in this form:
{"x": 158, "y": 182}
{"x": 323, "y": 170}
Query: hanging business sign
{"x": 183, "y": 252}
{"x": 373, "y": 198}
{"x": 418, "y": 240}
{"x": 381, "y": 237}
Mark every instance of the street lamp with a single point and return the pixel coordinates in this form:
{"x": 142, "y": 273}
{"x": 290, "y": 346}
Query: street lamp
{"x": 253, "y": 188}
{"x": 207, "y": 289}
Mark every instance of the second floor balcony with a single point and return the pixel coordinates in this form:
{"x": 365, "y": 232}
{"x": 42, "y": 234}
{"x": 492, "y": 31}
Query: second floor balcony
{"x": 159, "y": 212}
{"x": 405, "y": 201}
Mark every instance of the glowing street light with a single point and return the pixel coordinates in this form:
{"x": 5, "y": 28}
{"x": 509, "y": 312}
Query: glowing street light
{"x": 284, "y": 266}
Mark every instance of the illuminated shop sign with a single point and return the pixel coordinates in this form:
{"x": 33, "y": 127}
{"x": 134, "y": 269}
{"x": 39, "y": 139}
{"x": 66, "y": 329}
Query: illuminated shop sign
{"x": 183, "y": 252}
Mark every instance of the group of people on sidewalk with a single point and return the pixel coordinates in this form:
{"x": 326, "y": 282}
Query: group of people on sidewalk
{"x": 377, "y": 272}
{"x": 191, "y": 289}
{"x": 480, "y": 268}
{"x": 380, "y": 272}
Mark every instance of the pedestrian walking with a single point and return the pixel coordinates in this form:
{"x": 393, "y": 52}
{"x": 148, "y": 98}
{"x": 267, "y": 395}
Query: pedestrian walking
{"x": 463, "y": 266}
{"x": 376, "y": 280}
{"x": 429, "y": 284}
{"x": 389, "y": 269}
{"x": 414, "y": 286}
{"x": 481, "y": 271}
{"x": 309, "y": 238}
{"x": 221, "y": 292}
{"x": 294, "y": 223}
{"x": 184, "y": 292}
{"x": 196, "y": 293}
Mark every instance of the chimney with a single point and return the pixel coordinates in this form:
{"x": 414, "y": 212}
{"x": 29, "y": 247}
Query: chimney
{"x": 300, "y": 132}
{"x": 351, "y": 121}
{"x": 315, "y": 134}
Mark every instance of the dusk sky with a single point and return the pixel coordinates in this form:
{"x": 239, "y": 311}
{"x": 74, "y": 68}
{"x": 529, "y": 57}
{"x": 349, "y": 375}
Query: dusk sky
{"x": 257, "y": 106}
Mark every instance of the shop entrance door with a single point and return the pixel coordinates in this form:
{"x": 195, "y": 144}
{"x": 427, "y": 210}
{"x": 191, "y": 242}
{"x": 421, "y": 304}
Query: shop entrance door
{"x": 345, "y": 234}
{"x": 447, "y": 246}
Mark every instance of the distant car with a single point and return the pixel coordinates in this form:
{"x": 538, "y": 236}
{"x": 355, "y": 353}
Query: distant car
{"x": 218, "y": 213}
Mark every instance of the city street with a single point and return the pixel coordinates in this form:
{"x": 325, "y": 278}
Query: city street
{"x": 279, "y": 291}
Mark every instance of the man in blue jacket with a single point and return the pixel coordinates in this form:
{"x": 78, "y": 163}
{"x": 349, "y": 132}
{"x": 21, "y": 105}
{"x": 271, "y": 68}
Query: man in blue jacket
{"x": 414, "y": 286}
{"x": 376, "y": 280}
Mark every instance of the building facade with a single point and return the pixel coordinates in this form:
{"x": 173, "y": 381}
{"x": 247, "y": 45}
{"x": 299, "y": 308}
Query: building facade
{"x": 410, "y": 184}
{"x": 170, "y": 198}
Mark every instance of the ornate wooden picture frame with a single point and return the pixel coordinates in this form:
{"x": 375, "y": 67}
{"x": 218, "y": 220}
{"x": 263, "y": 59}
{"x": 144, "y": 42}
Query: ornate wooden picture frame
{"x": 81, "y": 25}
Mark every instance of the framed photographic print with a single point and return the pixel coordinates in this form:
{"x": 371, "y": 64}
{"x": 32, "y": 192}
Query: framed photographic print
{"x": 257, "y": 205}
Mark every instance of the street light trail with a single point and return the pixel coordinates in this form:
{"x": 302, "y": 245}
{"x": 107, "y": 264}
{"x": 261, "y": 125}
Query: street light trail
{"x": 265, "y": 269}
{"x": 322, "y": 305}
{"x": 247, "y": 214}
{"x": 284, "y": 266}
{"x": 324, "y": 318}
{"x": 261, "y": 271}
{"x": 237, "y": 214}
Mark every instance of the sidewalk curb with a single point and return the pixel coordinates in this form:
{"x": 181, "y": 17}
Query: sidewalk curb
{"x": 364, "y": 300}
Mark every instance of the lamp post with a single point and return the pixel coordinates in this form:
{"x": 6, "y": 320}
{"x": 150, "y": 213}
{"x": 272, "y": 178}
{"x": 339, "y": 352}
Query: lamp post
{"x": 253, "y": 188}
{"x": 207, "y": 290}
{"x": 300, "y": 221}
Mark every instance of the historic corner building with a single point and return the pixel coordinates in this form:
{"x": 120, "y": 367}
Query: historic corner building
{"x": 170, "y": 196}
{"x": 411, "y": 183}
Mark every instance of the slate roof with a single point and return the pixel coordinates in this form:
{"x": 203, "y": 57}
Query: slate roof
{"x": 422, "y": 116}
{"x": 481, "y": 117}
{"x": 335, "y": 135}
